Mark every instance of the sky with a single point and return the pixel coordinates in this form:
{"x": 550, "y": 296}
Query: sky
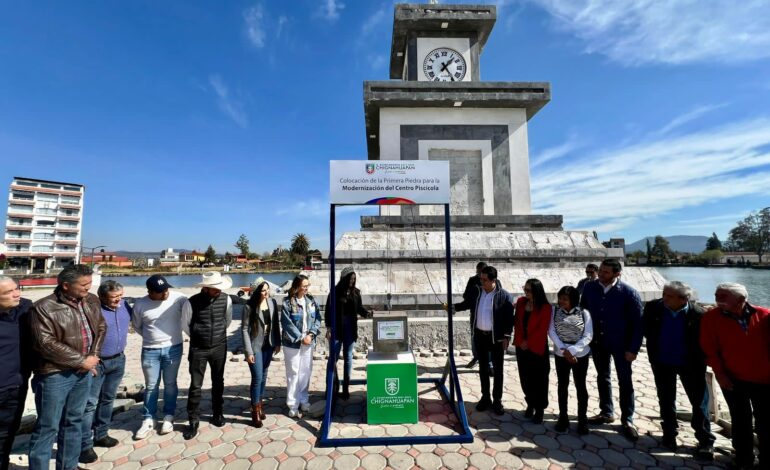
{"x": 190, "y": 123}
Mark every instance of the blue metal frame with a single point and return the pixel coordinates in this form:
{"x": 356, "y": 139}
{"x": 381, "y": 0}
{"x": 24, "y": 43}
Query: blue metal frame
{"x": 453, "y": 394}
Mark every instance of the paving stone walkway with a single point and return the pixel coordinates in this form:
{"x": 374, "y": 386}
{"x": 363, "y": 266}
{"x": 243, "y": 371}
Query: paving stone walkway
{"x": 505, "y": 442}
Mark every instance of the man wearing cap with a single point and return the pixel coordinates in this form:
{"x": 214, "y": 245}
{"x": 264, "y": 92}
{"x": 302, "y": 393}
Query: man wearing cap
{"x": 15, "y": 349}
{"x": 158, "y": 318}
{"x": 206, "y": 324}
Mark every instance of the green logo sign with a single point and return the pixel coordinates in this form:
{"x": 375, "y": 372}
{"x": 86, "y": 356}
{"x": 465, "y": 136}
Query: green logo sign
{"x": 391, "y": 386}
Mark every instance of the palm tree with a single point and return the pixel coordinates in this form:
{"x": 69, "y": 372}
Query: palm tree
{"x": 300, "y": 244}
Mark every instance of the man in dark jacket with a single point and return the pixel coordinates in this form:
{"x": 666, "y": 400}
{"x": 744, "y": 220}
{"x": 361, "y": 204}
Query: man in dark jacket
{"x": 492, "y": 319}
{"x": 471, "y": 288}
{"x": 672, "y": 329}
{"x": 616, "y": 312}
{"x": 212, "y": 312}
{"x": 68, "y": 331}
{"x": 15, "y": 349}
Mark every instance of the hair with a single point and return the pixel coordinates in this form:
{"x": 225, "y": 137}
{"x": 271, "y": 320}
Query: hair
{"x": 6, "y": 278}
{"x": 614, "y": 264}
{"x": 490, "y": 271}
{"x": 253, "y": 304}
{"x": 295, "y": 285}
{"x": 680, "y": 288}
{"x": 107, "y": 287}
{"x": 481, "y": 265}
{"x": 538, "y": 292}
{"x": 572, "y": 293}
{"x": 72, "y": 273}
{"x": 344, "y": 283}
{"x": 738, "y": 290}
{"x": 592, "y": 266}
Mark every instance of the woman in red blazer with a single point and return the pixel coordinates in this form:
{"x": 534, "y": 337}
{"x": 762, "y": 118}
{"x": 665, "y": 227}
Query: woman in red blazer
{"x": 531, "y": 322}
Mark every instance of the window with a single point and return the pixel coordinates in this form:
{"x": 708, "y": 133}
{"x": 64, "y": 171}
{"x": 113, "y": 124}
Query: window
{"x": 45, "y": 223}
{"x": 15, "y": 234}
{"x": 69, "y": 212}
{"x": 72, "y": 188}
{"x": 47, "y": 197}
{"x": 18, "y": 208}
{"x": 64, "y": 248}
{"x": 18, "y": 221}
{"x": 18, "y": 247}
{"x": 44, "y": 211}
{"x": 42, "y": 236}
{"x": 41, "y": 249}
{"x": 50, "y": 186}
{"x": 68, "y": 224}
{"x": 70, "y": 200}
{"x": 26, "y": 183}
{"x": 23, "y": 195}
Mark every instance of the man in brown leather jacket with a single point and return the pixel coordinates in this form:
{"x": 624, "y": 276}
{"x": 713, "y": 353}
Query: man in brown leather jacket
{"x": 68, "y": 331}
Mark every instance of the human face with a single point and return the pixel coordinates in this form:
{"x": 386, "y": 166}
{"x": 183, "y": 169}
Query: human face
{"x": 112, "y": 299}
{"x": 78, "y": 289}
{"x": 211, "y": 291}
{"x": 160, "y": 296}
{"x": 606, "y": 275}
{"x": 591, "y": 273}
{"x": 729, "y": 302}
{"x": 673, "y": 300}
{"x": 565, "y": 303}
{"x": 303, "y": 287}
{"x": 486, "y": 283}
{"x": 265, "y": 293}
{"x": 528, "y": 291}
{"x": 353, "y": 280}
{"x": 10, "y": 295}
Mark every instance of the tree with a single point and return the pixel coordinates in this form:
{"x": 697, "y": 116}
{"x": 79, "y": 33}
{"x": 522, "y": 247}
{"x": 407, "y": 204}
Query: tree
{"x": 243, "y": 245}
{"x": 649, "y": 248}
{"x": 752, "y": 233}
{"x": 300, "y": 244}
{"x": 713, "y": 242}
{"x": 710, "y": 256}
{"x": 660, "y": 250}
{"x": 210, "y": 255}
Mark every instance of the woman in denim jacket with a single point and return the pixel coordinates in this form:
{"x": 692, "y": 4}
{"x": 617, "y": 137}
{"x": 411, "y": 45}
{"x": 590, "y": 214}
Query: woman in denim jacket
{"x": 300, "y": 323}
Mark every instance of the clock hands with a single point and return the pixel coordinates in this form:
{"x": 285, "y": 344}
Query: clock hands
{"x": 445, "y": 69}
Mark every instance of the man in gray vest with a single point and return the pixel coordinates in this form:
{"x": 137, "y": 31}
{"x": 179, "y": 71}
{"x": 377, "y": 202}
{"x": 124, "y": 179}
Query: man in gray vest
{"x": 212, "y": 312}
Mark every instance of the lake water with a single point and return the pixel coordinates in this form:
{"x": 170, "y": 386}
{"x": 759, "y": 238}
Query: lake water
{"x": 190, "y": 280}
{"x": 705, "y": 280}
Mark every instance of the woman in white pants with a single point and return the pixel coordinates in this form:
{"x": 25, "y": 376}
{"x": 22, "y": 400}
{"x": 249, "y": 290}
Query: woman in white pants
{"x": 300, "y": 322}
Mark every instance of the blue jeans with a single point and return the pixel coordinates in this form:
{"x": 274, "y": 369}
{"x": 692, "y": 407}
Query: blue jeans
{"x": 602, "y": 359}
{"x": 347, "y": 346}
{"x": 101, "y": 396}
{"x": 157, "y": 362}
{"x": 259, "y": 373}
{"x": 60, "y": 399}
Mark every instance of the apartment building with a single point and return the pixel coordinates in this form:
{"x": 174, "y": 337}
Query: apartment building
{"x": 43, "y": 225}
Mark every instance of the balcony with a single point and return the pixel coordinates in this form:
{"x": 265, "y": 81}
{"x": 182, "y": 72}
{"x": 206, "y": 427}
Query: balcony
{"x": 68, "y": 217}
{"x": 66, "y": 241}
{"x": 38, "y": 189}
{"x": 68, "y": 205}
{"x": 24, "y": 201}
{"x": 18, "y": 226}
{"x": 9, "y": 240}
{"x": 19, "y": 212}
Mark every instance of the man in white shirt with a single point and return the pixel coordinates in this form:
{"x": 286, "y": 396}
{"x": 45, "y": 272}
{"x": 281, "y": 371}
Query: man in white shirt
{"x": 158, "y": 318}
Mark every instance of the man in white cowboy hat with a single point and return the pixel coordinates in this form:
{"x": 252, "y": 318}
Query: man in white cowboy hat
{"x": 212, "y": 312}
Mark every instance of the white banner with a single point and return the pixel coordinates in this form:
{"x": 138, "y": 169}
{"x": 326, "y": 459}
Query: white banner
{"x": 386, "y": 182}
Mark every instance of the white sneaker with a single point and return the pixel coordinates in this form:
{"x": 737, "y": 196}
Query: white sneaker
{"x": 293, "y": 413}
{"x": 145, "y": 429}
{"x": 168, "y": 424}
{"x": 305, "y": 407}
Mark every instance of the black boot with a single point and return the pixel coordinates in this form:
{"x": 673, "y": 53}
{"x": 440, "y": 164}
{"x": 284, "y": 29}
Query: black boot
{"x": 192, "y": 430}
{"x": 345, "y": 388}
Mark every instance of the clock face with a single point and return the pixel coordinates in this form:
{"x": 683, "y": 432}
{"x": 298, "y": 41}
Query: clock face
{"x": 444, "y": 65}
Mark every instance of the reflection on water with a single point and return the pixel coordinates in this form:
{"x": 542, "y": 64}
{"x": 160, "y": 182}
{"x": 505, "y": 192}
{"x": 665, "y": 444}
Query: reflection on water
{"x": 190, "y": 280}
{"x": 705, "y": 280}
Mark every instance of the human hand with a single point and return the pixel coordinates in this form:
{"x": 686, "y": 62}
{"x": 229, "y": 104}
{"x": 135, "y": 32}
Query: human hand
{"x": 524, "y": 345}
{"x": 89, "y": 363}
{"x": 250, "y": 359}
{"x": 93, "y": 372}
{"x": 328, "y": 334}
{"x": 630, "y": 357}
{"x": 277, "y": 349}
{"x": 506, "y": 343}
{"x": 308, "y": 340}
{"x": 569, "y": 357}
{"x": 445, "y": 306}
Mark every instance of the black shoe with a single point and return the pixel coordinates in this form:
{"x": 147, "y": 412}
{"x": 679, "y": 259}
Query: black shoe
{"x": 106, "y": 441}
{"x": 471, "y": 364}
{"x": 483, "y": 404}
{"x": 630, "y": 432}
{"x": 601, "y": 419}
{"x": 529, "y": 412}
{"x": 88, "y": 456}
{"x": 191, "y": 431}
{"x": 218, "y": 420}
{"x": 582, "y": 428}
{"x": 705, "y": 452}
{"x": 562, "y": 424}
{"x": 669, "y": 442}
{"x": 537, "y": 418}
{"x": 497, "y": 408}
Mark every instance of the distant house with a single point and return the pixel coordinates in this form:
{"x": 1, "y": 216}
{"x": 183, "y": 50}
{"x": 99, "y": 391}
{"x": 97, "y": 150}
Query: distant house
{"x": 169, "y": 258}
{"x": 617, "y": 247}
{"x": 192, "y": 257}
{"x": 739, "y": 257}
{"x": 313, "y": 260}
{"x": 108, "y": 259}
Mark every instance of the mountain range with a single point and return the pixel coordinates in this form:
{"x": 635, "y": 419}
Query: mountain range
{"x": 680, "y": 243}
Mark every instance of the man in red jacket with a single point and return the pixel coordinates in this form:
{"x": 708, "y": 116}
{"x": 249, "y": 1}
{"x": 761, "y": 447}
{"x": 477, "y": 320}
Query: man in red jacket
{"x": 735, "y": 336}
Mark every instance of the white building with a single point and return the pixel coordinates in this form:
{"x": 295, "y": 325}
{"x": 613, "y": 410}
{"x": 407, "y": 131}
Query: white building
{"x": 43, "y": 225}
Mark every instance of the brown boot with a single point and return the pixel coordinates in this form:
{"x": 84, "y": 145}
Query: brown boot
{"x": 261, "y": 410}
{"x": 255, "y": 419}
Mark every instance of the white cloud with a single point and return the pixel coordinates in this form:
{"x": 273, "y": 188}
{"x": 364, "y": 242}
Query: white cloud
{"x": 688, "y": 117}
{"x": 330, "y": 9}
{"x": 647, "y": 179}
{"x": 376, "y": 19}
{"x": 667, "y": 31}
{"x": 554, "y": 153}
{"x": 282, "y": 20}
{"x": 255, "y": 29}
{"x": 226, "y": 103}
